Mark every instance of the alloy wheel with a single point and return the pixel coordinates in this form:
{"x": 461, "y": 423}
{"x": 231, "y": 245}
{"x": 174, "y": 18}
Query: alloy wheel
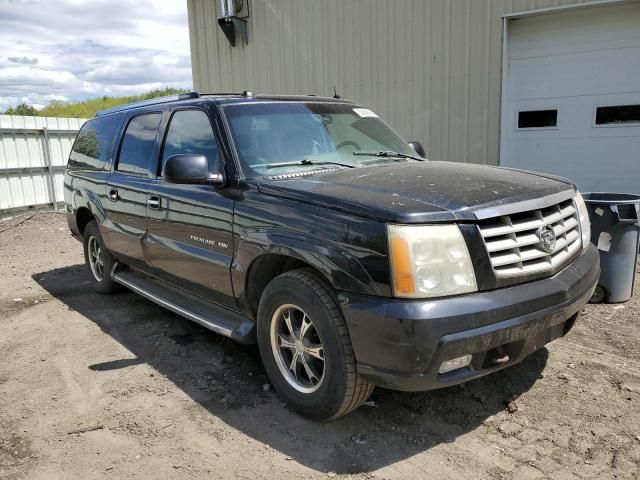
{"x": 96, "y": 260}
{"x": 297, "y": 348}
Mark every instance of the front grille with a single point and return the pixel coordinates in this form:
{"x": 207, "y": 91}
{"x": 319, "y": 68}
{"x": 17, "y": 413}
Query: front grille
{"x": 514, "y": 244}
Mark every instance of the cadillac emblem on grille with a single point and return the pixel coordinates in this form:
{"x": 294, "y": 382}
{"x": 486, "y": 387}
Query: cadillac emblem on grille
{"x": 547, "y": 238}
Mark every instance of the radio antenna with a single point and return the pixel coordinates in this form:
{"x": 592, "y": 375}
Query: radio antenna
{"x": 335, "y": 93}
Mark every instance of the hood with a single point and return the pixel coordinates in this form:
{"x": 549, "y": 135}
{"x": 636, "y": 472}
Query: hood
{"x": 430, "y": 191}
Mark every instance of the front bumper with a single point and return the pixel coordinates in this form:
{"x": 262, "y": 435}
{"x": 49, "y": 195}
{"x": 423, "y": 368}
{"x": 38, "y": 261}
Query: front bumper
{"x": 401, "y": 344}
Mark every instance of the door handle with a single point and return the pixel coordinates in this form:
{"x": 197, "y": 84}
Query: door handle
{"x": 113, "y": 195}
{"x": 153, "y": 202}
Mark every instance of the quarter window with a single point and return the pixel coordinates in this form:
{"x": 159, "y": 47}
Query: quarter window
{"x": 138, "y": 143}
{"x": 91, "y": 148}
{"x": 190, "y": 132}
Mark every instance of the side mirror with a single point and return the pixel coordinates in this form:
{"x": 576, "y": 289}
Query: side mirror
{"x": 417, "y": 146}
{"x": 190, "y": 169}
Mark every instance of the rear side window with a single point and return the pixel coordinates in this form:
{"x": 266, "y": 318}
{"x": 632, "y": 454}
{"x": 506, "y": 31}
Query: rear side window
{"x": 190, "y": 132}
{"x": 92, "y": 145}
{"x": 138, "y": 143}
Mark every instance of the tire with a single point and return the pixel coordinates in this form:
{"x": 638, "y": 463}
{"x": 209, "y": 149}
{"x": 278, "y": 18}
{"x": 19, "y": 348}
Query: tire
{"x": 100, "y": 276}
{"x": 338, "y": 388}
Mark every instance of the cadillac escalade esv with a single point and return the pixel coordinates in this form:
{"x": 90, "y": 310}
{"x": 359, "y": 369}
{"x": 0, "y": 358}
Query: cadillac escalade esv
{"x": 309, "y": 226}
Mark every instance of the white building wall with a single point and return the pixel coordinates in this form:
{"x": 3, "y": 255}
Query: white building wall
{"x": 572, "y": 64}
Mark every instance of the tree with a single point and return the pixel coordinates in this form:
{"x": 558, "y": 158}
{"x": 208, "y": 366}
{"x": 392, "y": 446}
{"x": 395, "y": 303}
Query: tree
{"x": 87, "y": 144}
{"x": 22, "y": 109}
{"x": 88, "y": 108}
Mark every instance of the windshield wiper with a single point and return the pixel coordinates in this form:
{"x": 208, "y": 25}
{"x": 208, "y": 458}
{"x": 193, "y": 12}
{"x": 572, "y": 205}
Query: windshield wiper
{"x": 306, "y": 161}
{"x": 389, "y": 154}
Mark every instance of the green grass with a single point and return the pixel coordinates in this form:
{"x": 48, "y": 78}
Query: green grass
{"x": 88, "y": 108}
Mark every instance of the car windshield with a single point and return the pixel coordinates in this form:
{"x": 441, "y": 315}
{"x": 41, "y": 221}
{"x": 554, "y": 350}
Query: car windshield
{"x": 274, "y": 138}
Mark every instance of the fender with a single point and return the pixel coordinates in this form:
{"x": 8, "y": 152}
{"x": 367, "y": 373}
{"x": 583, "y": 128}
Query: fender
{"x": 80, "y": 192}
{"x": 337, "y": 263}
{"x": 85, "y": 198}
{"x": 543, "y": 174}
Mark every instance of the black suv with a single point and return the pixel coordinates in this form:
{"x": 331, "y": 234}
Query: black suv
{"x": 307, "y": 225}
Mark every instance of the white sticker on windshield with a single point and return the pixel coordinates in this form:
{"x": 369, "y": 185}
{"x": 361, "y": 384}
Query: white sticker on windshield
{"x": 364, "y": 113}
{"x": 259, "y": 124}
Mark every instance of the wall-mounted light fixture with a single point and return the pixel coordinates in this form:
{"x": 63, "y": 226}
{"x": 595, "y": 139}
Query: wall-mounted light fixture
{"x": 233, "y": 18}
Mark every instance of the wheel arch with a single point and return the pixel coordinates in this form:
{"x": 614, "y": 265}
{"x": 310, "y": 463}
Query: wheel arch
{"x": 264, "y": 269}
{"x": 83, "y": 217}
{"x": 86, "y": 207}
{"x": 264, "y": 257}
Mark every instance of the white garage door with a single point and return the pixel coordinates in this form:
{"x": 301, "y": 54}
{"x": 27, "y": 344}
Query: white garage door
{"x": 571, "y": 98}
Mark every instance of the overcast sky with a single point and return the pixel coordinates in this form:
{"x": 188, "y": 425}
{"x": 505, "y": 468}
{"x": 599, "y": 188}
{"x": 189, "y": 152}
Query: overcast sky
{"x": 74, "y": 49}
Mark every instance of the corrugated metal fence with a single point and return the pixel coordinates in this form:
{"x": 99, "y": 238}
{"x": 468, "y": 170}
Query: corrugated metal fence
{"x": 33, "y": 154}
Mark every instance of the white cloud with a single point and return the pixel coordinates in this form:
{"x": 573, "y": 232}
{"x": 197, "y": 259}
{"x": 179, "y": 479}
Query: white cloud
{"x": 74, "y": 49}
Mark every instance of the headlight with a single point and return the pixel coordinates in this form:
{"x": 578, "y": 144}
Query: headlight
{"x": 585, "y": 224}
{"x": 429, "y": 261}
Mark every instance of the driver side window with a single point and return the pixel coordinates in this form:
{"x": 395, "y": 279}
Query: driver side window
{"x": 190, "y": 132}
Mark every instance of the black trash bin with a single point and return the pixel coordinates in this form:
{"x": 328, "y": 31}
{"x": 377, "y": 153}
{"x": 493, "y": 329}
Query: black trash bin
{"x": 614, "y": 230}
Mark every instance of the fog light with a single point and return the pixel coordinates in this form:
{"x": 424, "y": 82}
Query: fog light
{"x": 455, "y": 364}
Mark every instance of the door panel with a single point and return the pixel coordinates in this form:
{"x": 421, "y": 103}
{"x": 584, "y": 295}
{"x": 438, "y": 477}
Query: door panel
{"x": 125, "y": 225}
{"x": 126, "y": 217}
{"x": 190, "y": 241}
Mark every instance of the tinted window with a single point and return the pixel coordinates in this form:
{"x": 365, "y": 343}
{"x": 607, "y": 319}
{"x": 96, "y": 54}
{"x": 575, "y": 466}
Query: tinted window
{"x": 538, "y": 119}
{"x": 618, "y": 115}
{"x": 91, "y": 148}
{"x": 138, "y": 143}
{"x": 190, "y": 132}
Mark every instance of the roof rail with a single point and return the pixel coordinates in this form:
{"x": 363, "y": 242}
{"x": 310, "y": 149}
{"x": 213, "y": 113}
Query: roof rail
{"x": 150, "y": 101}
{"x": 223, "y": 94}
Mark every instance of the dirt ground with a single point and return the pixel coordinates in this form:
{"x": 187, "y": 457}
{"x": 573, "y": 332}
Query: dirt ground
{"x": 161, "y": 397}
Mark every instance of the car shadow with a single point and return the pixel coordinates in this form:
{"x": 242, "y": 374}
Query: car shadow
{"x": 228, "y": 380}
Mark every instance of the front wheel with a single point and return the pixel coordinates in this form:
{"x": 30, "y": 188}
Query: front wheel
{"x": 306, "y": 348}
{"x": 99, "y": 260}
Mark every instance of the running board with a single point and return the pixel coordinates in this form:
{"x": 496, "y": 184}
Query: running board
{"x": 210, "y": 315}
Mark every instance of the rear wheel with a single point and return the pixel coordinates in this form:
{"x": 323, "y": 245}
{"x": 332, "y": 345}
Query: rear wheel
{"x": 99, "y": 260}
{"x": 306, "y": 348}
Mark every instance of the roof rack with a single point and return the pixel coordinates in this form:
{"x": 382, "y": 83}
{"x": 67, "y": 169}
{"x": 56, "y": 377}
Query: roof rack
{"x": 246, "y": 93}
{"x": 150, "y": 101}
